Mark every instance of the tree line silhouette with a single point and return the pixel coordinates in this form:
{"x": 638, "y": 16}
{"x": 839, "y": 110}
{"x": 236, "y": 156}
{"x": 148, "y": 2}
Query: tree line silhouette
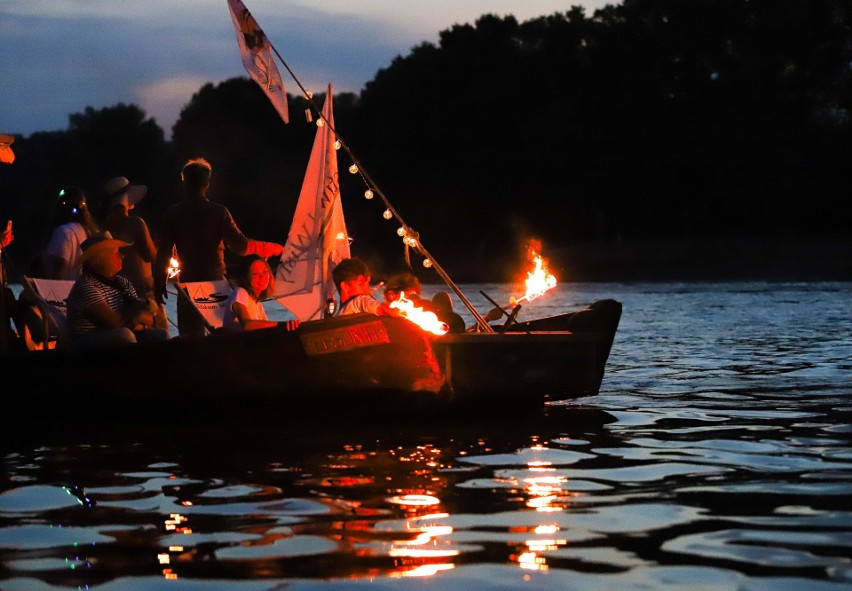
{"x": 651, "y": 119}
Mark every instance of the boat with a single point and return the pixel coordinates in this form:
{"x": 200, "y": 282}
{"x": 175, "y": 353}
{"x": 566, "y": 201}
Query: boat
{"x": 330, "y": 362}
{"x": 349, "y": 363}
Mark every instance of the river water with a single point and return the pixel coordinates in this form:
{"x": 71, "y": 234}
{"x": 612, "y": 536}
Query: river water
{"x": 717, "y": 456}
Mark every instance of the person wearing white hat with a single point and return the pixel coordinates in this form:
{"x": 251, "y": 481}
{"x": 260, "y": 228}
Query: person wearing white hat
{"x": 103, "y": 306}
{"x": 121, "y": 197}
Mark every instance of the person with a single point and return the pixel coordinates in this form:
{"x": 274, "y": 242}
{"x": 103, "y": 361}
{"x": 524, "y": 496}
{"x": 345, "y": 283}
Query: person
{"x": 444, "y": 311}
{"x": 408, "y": 284}
{"x": 6, "y": 237}
{"x": 352, "y": 279}
{"x": 103, "y": 306}
{"x": 244, "y": 309}
{"x": 73, "y": 224}
{"x": 199, "y": 231}
{"x": 121, "y": 197}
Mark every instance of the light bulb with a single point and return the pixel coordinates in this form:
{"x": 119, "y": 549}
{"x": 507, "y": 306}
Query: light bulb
{"x": 320, "y": 122}
{"x": 400, "y": 231}
{"x": 353, "y": 169}
{"x": 387, "y": 214}
{"x": 309, "y": 94}
{"x": 336, "y": 144}
{"x": 368, "y": 194}
{"x": 427, "y": 263}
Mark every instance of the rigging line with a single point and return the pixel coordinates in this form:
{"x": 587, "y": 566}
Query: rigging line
{"x": 373, "y": 186}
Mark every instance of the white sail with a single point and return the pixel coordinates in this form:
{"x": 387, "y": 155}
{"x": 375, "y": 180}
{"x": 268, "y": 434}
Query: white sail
{"x": 317, "y": 240}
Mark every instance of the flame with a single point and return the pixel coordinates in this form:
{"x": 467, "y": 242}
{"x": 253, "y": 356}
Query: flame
{"x": 423, "y": 318}
{"x": 174, "y": 268}
{"x": 538, "y": 281}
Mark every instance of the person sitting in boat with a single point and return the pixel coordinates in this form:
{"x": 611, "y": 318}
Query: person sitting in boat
{"x": 444, "y": 311}
{"x": 73, "y": 224}
{"x": 410, "y": 285}
{"x": 103, "y": 306}
{"x": 352, "y": 279}
{"x": 199, "y": 231}
{"x": 255, "y": 283}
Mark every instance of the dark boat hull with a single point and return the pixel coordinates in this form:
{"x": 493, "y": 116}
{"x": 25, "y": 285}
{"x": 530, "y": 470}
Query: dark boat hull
{"x": 337, "y": 364}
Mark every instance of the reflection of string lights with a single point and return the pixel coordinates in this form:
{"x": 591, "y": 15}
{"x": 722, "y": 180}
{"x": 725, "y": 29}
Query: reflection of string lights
{"x": 173, "y": 523}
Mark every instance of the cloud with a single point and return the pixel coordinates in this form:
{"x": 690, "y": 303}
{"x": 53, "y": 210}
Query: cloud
{"x": 164, "y": 99}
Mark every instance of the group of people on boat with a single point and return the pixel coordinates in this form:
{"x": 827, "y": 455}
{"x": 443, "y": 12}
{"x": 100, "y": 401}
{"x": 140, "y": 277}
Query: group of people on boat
{"x": 120, "y": 275}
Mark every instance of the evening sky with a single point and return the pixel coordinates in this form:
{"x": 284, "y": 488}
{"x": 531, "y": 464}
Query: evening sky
{"x": 59, "y": 56}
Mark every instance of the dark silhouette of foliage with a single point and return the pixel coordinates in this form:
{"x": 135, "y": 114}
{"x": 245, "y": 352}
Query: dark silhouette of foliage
{"x": 647, "y": 120}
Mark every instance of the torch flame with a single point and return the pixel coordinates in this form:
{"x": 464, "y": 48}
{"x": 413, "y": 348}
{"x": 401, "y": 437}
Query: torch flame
{"x": 423, "y": 318}
{"x": 174, "y": 268}
{"x": 539, "y": 280}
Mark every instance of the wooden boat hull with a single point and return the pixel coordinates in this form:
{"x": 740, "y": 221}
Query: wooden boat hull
{"x": 347, "y": 362}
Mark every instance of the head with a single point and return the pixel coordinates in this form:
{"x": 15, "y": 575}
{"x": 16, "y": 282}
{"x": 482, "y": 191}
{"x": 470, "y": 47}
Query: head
{"x": 101, "y": 254}
{"x": 120, "y": 193}
{"x": 72, "y": 207}
{"x": 256, "y": 276}
{"x": 402, "y": 282}
{"x": 443, "y": 301}
{"x": 196, "y": 174}
{"x": 351, "y": 277}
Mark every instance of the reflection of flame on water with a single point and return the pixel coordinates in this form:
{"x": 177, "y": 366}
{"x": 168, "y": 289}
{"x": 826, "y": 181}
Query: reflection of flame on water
{"x": 423, "y": 318}
{"x": 538, "y": 281}
{"x": 415, "y": 500}
{"x": 423, "y": 553}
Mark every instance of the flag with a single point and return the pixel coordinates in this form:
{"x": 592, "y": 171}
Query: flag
{"x": 317, "y": 239}
{"x": 256, "y": 52}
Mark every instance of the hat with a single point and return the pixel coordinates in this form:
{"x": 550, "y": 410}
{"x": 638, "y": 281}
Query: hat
{"x": 97, "y": 244}
{"x": 119, "y": 190}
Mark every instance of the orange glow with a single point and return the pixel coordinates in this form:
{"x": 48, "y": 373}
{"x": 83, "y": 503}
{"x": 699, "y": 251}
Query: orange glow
{"x": 424, "y": 319}
{"x": 415, "y": 500}
{"x": 174, "y": 268}
{"x": 539, "y": 280}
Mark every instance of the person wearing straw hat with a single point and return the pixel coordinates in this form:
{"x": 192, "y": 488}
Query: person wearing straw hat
{"x": 103, "y": 307}
{"x": 121, "y": 197}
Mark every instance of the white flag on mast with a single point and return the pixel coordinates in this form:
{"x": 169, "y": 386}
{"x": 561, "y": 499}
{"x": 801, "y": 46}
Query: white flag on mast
{"x": 317, "y": 240}
{"x": 256, "y": 52}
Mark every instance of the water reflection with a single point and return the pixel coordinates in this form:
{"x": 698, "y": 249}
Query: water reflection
{"x": 718, "y": 456}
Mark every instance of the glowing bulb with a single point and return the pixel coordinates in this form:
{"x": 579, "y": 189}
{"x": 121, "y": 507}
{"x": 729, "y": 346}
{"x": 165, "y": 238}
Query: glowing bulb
{"x": 387, "y": 214}
{"x": 410, "y": 241}
{"x": 400, "y": 231}
{"x": 353, "y": 169}
{"x": 427, "y": 263}
{"x": 368, "y": 194}
{"x": 336, "y": 144}
{"x": 309, "y": 94}
{"x": 320, "y": 122}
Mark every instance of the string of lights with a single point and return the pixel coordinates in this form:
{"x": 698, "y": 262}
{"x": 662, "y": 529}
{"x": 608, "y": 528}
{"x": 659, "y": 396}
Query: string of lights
{"x": 410, "y": 238}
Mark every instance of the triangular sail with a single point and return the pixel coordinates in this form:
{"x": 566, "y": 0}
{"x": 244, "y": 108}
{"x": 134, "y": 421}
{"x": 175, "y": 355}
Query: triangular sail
{"x": 317, "y": 240}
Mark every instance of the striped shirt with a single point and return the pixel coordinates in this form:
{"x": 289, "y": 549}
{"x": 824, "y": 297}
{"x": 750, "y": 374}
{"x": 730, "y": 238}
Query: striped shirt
{"x": 90, "y": 289}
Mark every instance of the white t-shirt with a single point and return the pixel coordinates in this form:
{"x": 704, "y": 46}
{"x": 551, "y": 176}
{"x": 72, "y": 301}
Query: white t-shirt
{"x": 65, "y": 243}
{"x": 360, "y": 303}
{"x": 241, "y": 296}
